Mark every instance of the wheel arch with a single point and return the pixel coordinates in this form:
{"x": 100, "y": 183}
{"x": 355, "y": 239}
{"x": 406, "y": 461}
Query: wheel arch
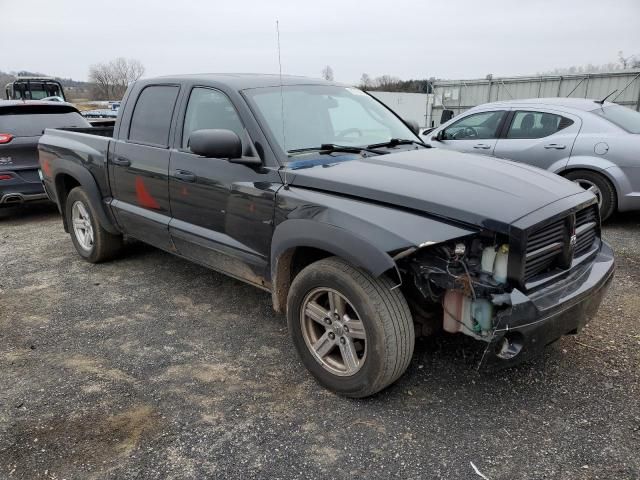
{"x": 298, "y": 242}
{"x": 63, "y": 184}
{"x": 65, "y": 179}
{"x": 610, "y": 171}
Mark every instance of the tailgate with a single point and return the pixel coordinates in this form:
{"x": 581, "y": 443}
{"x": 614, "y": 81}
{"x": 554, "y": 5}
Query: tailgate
{"x": 19, "y": 154}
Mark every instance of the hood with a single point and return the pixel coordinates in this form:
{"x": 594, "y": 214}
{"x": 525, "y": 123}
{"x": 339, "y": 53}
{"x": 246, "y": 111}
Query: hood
{"x": 473, "y": 189}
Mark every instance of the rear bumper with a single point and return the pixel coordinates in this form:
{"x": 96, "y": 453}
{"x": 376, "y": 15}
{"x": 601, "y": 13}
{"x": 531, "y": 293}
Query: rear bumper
{"x": 534, "y": 321}
{"x": 21, "y": 188}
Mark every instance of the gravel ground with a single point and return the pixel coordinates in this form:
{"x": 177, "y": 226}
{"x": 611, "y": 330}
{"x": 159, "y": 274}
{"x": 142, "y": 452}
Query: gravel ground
{"x": 152, "y": 367}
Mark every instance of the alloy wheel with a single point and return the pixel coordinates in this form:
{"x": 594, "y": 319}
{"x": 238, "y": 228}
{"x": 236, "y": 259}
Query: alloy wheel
{"x": 333, "y": 331}
{"x": 82, "y": 228}
{"x": 590, "y": 187}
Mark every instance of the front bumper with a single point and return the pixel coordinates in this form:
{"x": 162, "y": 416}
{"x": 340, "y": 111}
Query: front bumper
{"x": 536, "y": 320}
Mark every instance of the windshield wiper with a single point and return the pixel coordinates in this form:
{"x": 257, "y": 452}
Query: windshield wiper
{"x": 394, "y": 142}
{"x": 332, "y": 147}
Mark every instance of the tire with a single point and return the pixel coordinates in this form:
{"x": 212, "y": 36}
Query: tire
{"x": 383, "y": 341}
{"x": 602, "y": 188}
{"x": 104, "y": 245}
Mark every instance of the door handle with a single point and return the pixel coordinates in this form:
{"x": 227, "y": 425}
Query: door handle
{"x": 184, "y": 176}
{"x": 482, "y": 146}
{"x": 121, "y": 161}
{"x": 555, "y": 146}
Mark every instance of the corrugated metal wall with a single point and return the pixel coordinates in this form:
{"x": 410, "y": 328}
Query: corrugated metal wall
{"x": 460, "y": 95}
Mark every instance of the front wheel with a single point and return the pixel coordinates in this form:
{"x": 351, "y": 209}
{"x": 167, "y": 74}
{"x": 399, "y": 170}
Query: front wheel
{"x": 92, "y": 242}
{"x": 352, "y": 331}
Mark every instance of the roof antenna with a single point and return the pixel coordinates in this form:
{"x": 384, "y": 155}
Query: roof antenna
{"x": 284, "y": 138}
{"x": 601, "y": 102}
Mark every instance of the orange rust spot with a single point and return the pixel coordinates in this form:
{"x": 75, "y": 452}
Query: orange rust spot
{"x": 184, "y": 192}
{"x": 46, "y": 168}
{"x": 45, "y": 164}
{"x": 144, "y": 197}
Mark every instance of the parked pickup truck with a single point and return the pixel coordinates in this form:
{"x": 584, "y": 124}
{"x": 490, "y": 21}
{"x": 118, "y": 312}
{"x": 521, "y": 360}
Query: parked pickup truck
{"x": 321, "y": 195}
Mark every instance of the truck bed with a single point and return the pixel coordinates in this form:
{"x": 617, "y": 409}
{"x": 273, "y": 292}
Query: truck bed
{"x": 80, "y": 152}
{"x": 102, "y": 131}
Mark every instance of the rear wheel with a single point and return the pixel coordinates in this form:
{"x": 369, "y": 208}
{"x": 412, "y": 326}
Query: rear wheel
{"x": 352, "y": 331}
{"x": 92, "y": 242}
{"x": 600, "y": 187}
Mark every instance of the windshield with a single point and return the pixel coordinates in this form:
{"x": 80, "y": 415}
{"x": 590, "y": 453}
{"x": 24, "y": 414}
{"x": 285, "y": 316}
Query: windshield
{"x": 324, "y": 114}
{"x": 623, "y": 117}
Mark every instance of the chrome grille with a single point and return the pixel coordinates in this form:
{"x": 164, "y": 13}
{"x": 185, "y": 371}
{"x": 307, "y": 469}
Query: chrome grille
{"x": 586, "y": 230}
{"x": 543, "y": 248}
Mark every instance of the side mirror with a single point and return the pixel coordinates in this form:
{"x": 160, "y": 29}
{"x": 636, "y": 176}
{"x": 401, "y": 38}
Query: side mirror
{"x": 214, "y": 143}
{"x": 427, "y": 131}
{"x": 438, "y": 137}
{"x": 413, "y": 125}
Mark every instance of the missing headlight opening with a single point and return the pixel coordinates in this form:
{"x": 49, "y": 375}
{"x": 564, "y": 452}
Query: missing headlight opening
{"x": 466, "y": 282}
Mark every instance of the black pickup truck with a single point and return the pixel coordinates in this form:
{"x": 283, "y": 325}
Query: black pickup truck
{"x": 321, "y": 195}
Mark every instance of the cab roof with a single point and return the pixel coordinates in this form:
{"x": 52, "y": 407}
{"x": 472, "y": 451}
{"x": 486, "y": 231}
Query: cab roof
{"x": 243, "y": 81}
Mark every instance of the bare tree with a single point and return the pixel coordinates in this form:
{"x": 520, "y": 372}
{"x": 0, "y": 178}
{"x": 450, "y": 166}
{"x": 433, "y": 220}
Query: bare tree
{"x": 112, "y": 79}
{"x": 365, "y": 81}
{"x": 327, "y": 73}
{"x": 125, "y": 71}
{"x": 632, "y": 61}
{"x": 624, "y": 61}
{"x": 583, "y": 69}
{"x": 102, "y": 78}
{"x": 386, "y": 82}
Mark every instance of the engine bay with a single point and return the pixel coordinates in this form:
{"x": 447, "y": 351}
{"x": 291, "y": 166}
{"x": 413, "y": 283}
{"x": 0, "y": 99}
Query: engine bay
{"x": 464, "y": 283}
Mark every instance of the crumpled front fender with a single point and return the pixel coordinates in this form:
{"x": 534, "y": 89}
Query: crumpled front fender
{"x": 368, "y": 235}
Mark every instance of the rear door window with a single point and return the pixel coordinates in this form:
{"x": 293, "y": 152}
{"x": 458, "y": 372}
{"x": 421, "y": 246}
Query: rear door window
{"x": 526, "y": 124}
{"x": 151, "y": 119}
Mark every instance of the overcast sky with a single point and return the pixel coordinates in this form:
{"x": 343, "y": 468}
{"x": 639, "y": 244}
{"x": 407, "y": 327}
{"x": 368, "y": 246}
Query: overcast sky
{"x": 445, "y": 39}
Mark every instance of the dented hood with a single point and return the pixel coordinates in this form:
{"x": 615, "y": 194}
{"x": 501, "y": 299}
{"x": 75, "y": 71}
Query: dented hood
{"x": 473, "y": 189}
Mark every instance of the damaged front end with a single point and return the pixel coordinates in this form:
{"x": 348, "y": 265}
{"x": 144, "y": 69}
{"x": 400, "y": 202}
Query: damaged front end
{"x": 467, "y": 279}
{"x": 462, "y": 286}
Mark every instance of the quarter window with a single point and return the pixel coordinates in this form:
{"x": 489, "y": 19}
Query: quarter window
{"x": 536, "y": 125}
{"x": 209, "y": 109}
{"x": 479, "y": 126}
{"x": 151, "y": 118}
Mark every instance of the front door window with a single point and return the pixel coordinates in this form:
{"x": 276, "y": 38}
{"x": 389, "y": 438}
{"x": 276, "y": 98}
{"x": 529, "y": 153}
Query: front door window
{"x": 479, "y": 126}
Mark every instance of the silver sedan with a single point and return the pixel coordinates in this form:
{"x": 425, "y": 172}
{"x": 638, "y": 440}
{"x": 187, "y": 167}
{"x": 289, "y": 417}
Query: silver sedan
{"x": 594, "y": 144}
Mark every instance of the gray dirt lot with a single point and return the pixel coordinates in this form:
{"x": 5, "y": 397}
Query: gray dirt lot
{"x": 152, "y": 367}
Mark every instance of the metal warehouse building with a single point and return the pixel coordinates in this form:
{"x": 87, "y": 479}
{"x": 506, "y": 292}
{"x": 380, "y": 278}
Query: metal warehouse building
{"x": 461, "y": 95}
